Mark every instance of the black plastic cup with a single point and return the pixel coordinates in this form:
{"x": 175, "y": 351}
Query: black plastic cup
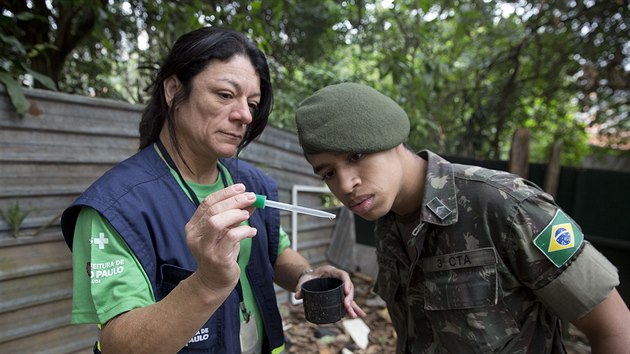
{"x": 323, "y": 300}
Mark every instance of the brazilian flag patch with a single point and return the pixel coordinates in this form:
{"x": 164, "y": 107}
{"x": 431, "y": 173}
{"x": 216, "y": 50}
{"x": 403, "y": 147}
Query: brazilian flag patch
{"x": 560, "y": 239}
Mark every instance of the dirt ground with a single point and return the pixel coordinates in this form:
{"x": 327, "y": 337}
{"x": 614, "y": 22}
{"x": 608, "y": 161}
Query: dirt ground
{"x": 304, "y": 337}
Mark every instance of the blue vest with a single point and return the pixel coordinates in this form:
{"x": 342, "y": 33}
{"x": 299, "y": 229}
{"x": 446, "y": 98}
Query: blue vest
{"x": 145, "y": 204}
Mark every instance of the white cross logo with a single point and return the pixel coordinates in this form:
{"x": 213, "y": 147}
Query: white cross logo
{"x": 101, "y": 241}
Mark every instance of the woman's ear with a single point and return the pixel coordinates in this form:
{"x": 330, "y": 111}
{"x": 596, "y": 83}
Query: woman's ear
{"x": 171, "y": 87}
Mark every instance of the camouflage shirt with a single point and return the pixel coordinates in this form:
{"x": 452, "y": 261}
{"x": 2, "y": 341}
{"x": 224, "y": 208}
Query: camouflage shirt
{"x": 469, "y": 273}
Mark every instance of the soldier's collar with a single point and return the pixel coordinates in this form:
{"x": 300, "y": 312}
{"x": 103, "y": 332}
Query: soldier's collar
{"x": 440, "y": 196}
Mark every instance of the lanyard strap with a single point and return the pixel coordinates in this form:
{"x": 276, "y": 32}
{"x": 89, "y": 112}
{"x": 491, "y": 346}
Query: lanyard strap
{"x": 171, "y": 164}
{"x": 195, "y": 200}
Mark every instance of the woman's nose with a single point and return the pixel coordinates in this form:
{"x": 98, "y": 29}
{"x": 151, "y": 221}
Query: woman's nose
{"x": 243, "y": 112}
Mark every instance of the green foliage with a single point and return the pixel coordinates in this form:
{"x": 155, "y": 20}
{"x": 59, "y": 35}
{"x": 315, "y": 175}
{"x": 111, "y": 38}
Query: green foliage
{"x": 14, "y": 89}
{"x": 14, "y": 216}
{"x": 468, "y": 73}
{"x": 545, "y": 132}
{"x": 14, "y": 70}
{"x": 328, "y": 200}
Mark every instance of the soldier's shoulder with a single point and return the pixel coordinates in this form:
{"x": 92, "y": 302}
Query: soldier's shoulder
{"x": 505, "y": 182}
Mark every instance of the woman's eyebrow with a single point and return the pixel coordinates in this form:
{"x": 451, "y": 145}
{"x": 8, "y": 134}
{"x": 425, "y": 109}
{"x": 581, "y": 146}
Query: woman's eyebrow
{"x": 237, "y": 86}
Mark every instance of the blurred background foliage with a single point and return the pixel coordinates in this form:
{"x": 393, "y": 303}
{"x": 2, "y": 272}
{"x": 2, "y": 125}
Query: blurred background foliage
{"x": 468, "y": 73}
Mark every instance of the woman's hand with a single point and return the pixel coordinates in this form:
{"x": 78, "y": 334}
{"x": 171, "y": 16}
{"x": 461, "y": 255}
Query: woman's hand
{"x": 214, "y": 233}
{"x": 352, "y": 308}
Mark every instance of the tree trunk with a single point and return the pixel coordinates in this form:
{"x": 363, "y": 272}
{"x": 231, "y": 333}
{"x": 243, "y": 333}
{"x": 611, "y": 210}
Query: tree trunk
{"x": 552, "y": 174}
{"x": 519, "y": 153}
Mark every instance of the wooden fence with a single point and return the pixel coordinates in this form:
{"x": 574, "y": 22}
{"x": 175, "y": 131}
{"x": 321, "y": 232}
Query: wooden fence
{"x": 47, "y": 159}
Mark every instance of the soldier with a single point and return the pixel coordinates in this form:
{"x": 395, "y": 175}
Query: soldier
{"x": 470, "y": 260}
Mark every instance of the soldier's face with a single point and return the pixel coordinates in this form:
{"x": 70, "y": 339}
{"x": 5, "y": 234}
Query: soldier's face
{"x": 367, "y": 184}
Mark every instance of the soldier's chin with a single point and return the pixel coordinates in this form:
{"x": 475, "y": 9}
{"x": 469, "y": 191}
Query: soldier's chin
{"x": 370, "y": 215}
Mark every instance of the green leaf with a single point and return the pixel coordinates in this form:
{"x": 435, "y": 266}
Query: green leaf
{"x": 425, "y": 5}
{"x": 25, "y": 16}
{"x": 13, "y": 42}
{"x": 43, "y": 79}
{"x": 14, "y": 216}
{"x": 255, "y": 5}
{"x": 16, "y": 94}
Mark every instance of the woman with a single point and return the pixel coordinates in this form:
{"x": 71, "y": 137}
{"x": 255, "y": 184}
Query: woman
{"x": 168, "y": 253}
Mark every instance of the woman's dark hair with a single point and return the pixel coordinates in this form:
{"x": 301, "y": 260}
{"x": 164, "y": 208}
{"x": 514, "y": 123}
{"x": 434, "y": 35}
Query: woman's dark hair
{"x": 189, "y": 56}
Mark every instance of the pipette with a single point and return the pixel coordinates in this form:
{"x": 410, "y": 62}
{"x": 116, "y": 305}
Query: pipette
{"x": 262, "y": 202}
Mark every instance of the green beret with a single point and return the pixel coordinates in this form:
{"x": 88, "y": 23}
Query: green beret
{"x": 348, "y": 118}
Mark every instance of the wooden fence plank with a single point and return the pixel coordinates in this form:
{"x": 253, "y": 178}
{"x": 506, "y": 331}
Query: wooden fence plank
{"x": 38, "y": 289}
{"x": 22, "y": 261}
{"x": 65, "y": 339}
{"x": 20, "y": 324}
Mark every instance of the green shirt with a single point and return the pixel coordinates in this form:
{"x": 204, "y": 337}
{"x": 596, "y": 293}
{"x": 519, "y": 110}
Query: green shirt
{"x": 109, "y": 280}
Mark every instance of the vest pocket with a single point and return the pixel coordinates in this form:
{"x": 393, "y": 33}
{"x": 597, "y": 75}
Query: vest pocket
{"x": 461, "y": 298}
{"x": 205, "y": 340}
{"x": 171, "y": 275}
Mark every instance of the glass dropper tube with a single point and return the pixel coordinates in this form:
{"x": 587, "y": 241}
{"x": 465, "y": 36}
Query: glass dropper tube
{"x": 262, "y": 202}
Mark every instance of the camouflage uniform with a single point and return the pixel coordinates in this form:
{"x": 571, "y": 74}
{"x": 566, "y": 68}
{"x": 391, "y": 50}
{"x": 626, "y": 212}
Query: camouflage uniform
{"x": 463, "y": 274}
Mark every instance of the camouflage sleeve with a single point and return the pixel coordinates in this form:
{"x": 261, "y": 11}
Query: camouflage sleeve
{"x": 583, "y": 285}
{"x": 527, "y": 220}
{"x": 552, "y": 258}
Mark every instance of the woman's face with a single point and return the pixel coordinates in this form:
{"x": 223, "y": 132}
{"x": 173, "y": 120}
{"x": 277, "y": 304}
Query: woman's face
{"x": 224, "y": 97}
{"x": 367, "y": 184}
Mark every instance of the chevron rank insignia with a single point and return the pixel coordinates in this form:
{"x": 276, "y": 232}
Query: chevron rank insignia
{"x": 560, "y": 239}
{"x": 439, "y": 209}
